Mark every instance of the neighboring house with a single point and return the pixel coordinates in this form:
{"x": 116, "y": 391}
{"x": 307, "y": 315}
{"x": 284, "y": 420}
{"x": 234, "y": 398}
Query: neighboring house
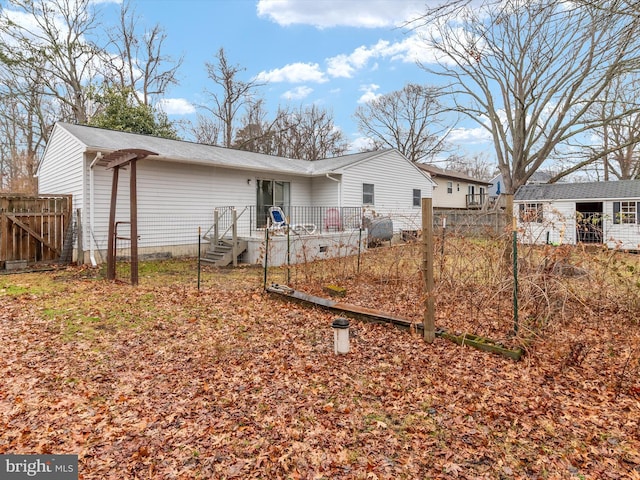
{"x": 594, "y": 212}
{"x": 455, "y": 190}
{"x": 180, "y": 188}
{"x": 497, "y": 184}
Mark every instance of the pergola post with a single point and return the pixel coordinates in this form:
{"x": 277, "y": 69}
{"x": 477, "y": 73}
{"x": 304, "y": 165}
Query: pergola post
{"x": 115, "y": 160}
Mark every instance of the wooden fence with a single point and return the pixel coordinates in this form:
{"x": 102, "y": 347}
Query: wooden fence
{"x": 34, "y": 228}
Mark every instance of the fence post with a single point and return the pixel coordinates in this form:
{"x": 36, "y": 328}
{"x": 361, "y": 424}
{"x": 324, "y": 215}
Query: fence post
{"x": 427, "y": 269}
{"x": 266, "y": 255}
{"x": 508, "y": 212}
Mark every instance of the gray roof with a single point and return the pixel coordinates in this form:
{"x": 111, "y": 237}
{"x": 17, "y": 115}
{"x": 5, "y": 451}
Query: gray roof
{"x": 439, "y": 172}
{"x": 103, "y": 140}
{"x": 580, "y": 191}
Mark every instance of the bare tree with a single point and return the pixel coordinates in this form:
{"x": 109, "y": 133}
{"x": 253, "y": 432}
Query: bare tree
{"x": 307, "y": 133}
{"x": 56, "y": 43}
{"x": 256, "y": 133}
{"x": 205, "y": 130}
{"x": 477, "y": 165}
{"x": 140, "y": 64}
{"x": 26, "y": 117}
{"x": 232, "y": 96}
{"x": 407, "y": 119}
{"x": 619, "y": 146}
{"x": 528, "y": 72}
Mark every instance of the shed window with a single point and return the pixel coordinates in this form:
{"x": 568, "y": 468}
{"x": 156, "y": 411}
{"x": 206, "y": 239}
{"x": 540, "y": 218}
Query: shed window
{"x": 417, "y": 195}
{"x": 367, "y": 194}
{"x": 626, "y": 212}
{"x": 531, "y": 212}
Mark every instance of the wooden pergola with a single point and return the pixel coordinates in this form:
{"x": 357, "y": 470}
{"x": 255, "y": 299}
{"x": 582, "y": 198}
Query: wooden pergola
{"x": 116, "y": 160}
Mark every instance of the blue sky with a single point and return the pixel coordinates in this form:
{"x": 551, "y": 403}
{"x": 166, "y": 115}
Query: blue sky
{"x": 334, "y": 53}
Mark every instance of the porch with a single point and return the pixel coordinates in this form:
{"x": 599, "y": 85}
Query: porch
{"x": 248, "y": 235}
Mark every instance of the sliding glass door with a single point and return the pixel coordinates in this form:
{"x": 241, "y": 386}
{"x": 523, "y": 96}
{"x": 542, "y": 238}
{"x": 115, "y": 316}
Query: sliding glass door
{"x": 271, "y": 193}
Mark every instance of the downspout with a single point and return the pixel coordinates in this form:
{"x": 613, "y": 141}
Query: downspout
{"x": 92, "y": 242}
{"x": 328, "y": 175}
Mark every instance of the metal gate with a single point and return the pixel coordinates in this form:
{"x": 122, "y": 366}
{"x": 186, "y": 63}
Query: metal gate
{"x": 34, "y": 228}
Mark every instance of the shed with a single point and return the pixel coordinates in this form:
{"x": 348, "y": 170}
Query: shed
{"x": 593, "y": 212}
{"x": 187, "y": 185}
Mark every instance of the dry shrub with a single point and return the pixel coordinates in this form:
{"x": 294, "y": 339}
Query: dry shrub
{"x": 559, "y": 287}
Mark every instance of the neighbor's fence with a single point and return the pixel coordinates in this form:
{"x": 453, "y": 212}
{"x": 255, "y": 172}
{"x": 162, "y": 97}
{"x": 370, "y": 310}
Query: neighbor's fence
{"x": 472, "y": 223}
{"x": 34, "y": 228}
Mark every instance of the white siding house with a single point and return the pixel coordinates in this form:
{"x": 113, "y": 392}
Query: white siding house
{"x": 180, "y": 187}
{"x": 455, "y": 190}
{"x": 567, "y": 213}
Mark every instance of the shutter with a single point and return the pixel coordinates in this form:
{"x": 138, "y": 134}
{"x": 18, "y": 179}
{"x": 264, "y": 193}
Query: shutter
{"x": 616, "y": 212}
{"x": 637, "y": 212}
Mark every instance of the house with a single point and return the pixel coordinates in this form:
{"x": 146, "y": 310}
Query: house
{"x": 497, "y": 184}
{"x": 568, "y": 213}
{"x": 182, "y": 187}
{"x": 455, "y": 190}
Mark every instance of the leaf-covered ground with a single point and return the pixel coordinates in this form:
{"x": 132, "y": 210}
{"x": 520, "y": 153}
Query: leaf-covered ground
{"x": 163, "y": 381}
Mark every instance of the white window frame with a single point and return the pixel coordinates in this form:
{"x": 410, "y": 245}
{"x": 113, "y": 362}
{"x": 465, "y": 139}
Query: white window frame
{"x": 368, "y": 198}
{"x": 417, "y": 200}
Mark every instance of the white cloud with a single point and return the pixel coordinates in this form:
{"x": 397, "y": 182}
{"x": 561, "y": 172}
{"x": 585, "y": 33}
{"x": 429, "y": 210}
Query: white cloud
{"x": 297, "y": 93}
{"x": 410, "y": 50}
{"x": 176, "y": 106}
{"x": 469, "y": 136}
{"x": 334, "y": 13}
{"x": 346, "y": 65}
{"x": 294, "y": 73}
{"x": 369, "y": 93}
{"x": 361, "y": 144}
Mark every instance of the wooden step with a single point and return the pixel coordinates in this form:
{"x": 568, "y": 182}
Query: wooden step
{"x": 221, "y": 254}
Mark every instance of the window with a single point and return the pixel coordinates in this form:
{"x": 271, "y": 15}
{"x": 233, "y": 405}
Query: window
{"x": 531, "y": 212}
{"x": 367, "y": 194}
{"x": 417, "y": 195}
{"x": 449, "y": 187}
{"x": 626, "y": 212}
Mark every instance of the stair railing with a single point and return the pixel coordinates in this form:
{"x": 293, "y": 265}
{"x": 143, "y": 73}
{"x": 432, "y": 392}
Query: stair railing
{"x": 233, "y": 227}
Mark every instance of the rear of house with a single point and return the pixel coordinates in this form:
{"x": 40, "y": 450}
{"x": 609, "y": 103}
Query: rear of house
{"x": 182, "y": 186}
{"x": 569, "y": 213}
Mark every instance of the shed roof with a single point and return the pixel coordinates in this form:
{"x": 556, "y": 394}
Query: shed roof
{"x": 106, "y": 141}
{"x": 580, "y": 191}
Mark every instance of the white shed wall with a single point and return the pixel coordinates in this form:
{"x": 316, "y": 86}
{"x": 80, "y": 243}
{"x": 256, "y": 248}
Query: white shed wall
{"x": 619, "y": 235}
{"x": 558, "y": 225}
